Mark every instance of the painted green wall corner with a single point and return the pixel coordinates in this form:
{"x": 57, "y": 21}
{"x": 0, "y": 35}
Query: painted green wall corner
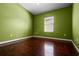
{"x": 15, "y": 22}
{"x": 62, "y": 23}
{"x": 76, "y": 23}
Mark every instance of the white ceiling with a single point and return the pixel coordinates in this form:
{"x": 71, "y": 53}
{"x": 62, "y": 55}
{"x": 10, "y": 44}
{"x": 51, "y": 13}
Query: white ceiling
{"x": 37, "y": 8}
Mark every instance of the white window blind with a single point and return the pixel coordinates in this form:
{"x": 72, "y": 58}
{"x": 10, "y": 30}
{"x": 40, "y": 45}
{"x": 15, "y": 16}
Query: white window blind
{"x": 49, "y": 24}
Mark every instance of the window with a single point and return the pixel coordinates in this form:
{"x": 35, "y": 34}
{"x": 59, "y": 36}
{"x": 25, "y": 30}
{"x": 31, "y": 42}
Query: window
{"x": 49, "y": 24}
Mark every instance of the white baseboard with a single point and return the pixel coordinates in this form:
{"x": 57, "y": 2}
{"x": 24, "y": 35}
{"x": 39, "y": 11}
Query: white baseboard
{"x": 12, "y": 40}
{"x": 33, "y": 36}
{"x": 53, "y": 38}
{"x": 75, "y": 47}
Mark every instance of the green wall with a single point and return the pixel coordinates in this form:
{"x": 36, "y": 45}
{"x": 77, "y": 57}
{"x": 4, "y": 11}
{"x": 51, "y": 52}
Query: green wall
{"x": 76, "y": 23}
{"x": 15, "y": 22}
{"x": 62, "y": 23}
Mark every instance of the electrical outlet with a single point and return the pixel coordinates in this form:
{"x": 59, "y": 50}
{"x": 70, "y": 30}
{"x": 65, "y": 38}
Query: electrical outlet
{"x": 64, "y": 34}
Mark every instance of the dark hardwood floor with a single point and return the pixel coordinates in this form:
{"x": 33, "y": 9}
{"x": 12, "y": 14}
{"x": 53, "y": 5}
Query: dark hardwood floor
{"x": 38, "y": 47}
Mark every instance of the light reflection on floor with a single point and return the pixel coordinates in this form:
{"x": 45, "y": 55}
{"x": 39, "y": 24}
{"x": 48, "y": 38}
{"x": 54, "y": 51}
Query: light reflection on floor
{"x": 48, "y": 49}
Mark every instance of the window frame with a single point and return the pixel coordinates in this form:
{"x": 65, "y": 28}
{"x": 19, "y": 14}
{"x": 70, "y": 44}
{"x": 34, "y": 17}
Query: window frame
{"x": 49, "y": 24}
